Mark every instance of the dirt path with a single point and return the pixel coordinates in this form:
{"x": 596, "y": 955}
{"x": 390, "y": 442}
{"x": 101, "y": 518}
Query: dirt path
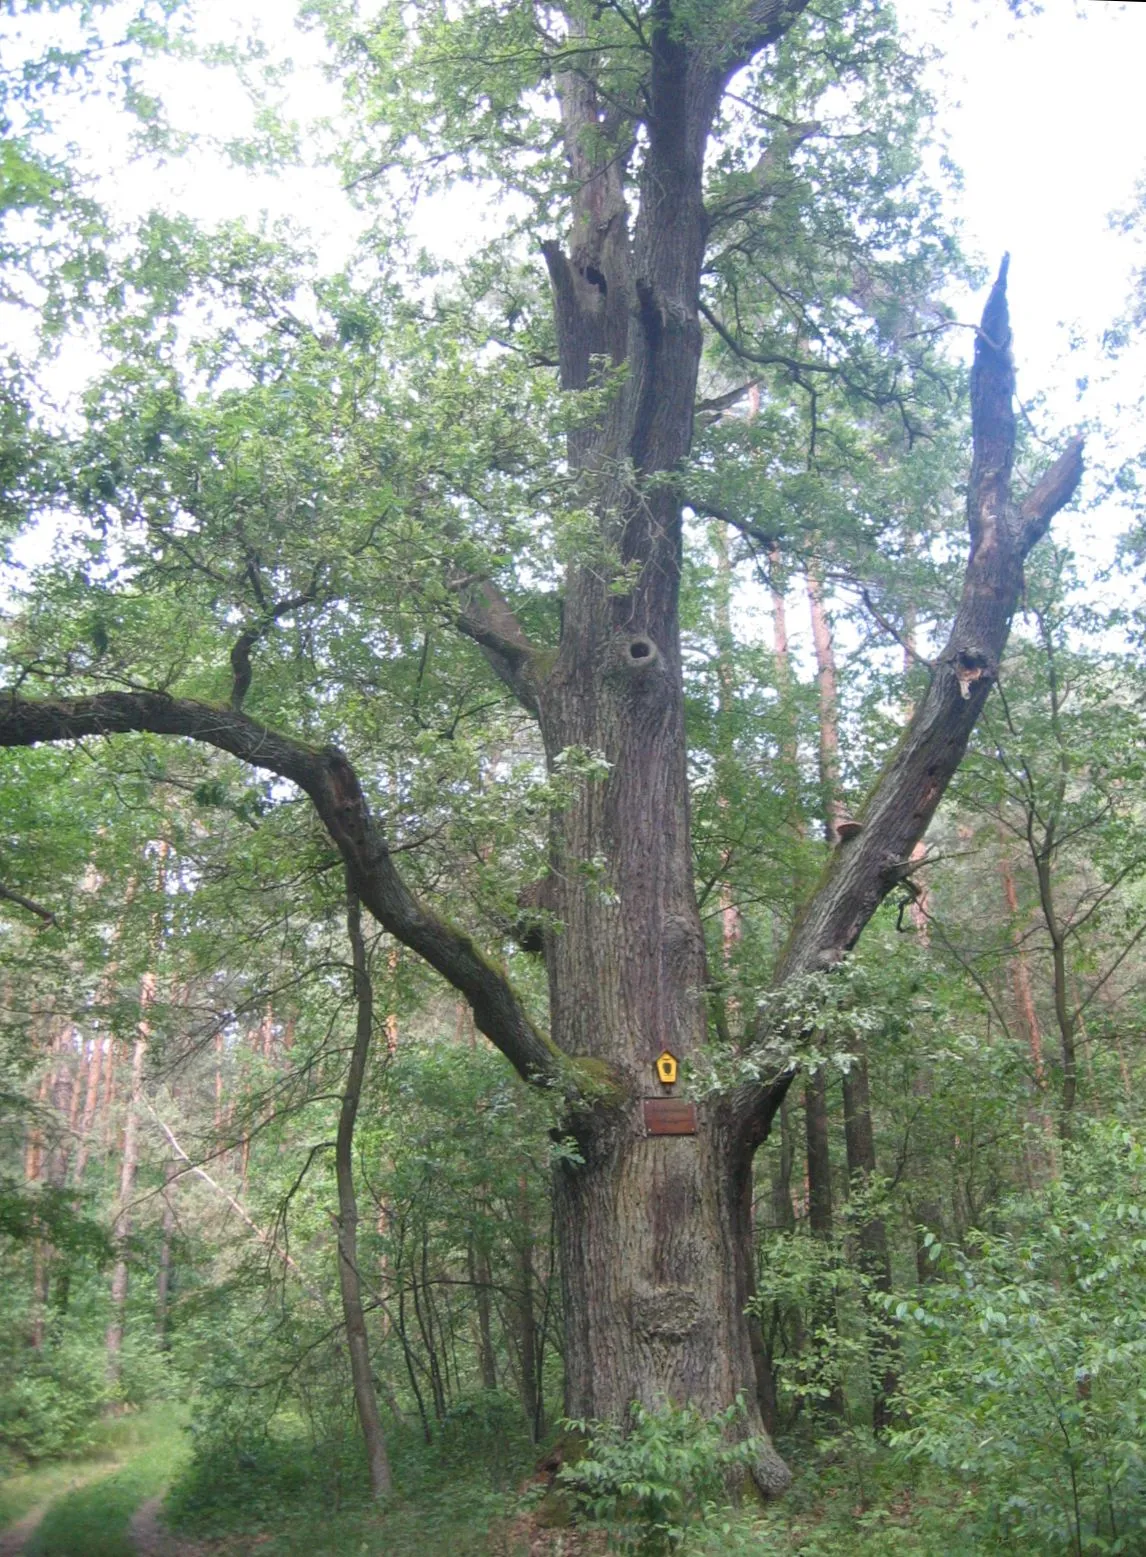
{"x": 152, "y": 1537}
{"x": 13, "y": 1539}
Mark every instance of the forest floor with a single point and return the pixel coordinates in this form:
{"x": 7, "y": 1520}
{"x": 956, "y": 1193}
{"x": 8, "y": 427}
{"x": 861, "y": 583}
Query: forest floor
{"x": 112, "y": 1505}
{"x": 106, "y": 1505}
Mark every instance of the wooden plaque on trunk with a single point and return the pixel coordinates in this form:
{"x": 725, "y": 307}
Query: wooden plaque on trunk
{"x": 669, "y": 1116}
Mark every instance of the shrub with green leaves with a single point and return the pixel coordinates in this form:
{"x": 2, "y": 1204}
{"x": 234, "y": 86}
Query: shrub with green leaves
{"x": 51, "y": 1398}
{"x": 1028, "y": 1366}
{"x": 648, "y": 1484}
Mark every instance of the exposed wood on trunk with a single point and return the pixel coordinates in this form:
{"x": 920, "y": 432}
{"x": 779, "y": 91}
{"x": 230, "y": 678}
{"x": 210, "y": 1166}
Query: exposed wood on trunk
{"x": 357, "y": 1340}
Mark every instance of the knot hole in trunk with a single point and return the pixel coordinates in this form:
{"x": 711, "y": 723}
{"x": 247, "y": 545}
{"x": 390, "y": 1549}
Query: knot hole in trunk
{"x": 640, "y": 654}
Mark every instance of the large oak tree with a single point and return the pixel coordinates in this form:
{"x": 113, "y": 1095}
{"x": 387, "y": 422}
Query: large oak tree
{"x": 621, "y": 119}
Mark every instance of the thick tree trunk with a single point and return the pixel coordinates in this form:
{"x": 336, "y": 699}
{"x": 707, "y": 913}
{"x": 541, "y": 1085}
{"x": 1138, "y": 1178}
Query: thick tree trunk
{"x": 654, "y": 1243}
{"x": 357, "y": 1341}
{"x": 654, "y": 1230}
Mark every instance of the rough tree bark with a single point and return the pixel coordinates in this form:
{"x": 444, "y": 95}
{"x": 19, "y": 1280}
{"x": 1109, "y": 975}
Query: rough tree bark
{"x": 654, "y": 1231}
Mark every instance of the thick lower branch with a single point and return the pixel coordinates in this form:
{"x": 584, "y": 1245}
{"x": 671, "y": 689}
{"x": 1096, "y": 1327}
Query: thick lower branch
{"x": 326, "y": 776}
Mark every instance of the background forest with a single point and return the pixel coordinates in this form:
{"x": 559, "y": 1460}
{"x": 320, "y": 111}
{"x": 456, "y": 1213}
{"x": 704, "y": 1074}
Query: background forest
{"x": 277, "y": 1227}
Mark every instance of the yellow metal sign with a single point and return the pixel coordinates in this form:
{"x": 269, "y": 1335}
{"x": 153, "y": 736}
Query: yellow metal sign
{"x": 667, "y": 1068}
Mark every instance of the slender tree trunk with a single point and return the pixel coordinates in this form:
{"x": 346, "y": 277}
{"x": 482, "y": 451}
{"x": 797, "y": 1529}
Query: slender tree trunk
{"x": 729, "y": 912}
{"x": 393, "y": 958}
{"x": 815, "y": 1090}
{"x": 357, "y": 1342}
{"x": 834, "y": 810}
{"x": 33, "y": 1172}
{"x": 87, "y": 1117}
{"x": 817, "y": 1141}
{"x": 218, "y": 1084}
{"x": 163, "y": 1277}
{"x": 109, "y": 1082}
{"x": 1021, "y": 971}
{"x": 921, "y": 903}
{"x": 480, "y": 1280}
{"x": 783, "y": 1215}
{"x": 121, "y": 1230}
{"x": 526, "y": 1318}
{"x": 129, "y": 1162}
{"x": 875, "y": 1259}
{"x": 1063, "y": 1014}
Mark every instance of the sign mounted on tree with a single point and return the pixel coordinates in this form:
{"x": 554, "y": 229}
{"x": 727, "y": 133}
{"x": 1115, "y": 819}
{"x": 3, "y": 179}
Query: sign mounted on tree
{"x": 666, "y": 1067}
{"x": 669, "y": 1116}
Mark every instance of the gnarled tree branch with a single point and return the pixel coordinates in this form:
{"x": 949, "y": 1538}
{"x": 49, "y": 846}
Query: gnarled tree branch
{"x": 766, "y": 22}
{"x": 28, "y": 904}
{"x": 485, "y": 616}
{"x": 241, "y": 653}
{"x": 326, "y": 776}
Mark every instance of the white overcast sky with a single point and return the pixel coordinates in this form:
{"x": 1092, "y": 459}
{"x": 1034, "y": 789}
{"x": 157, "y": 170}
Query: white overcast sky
{"x": 1045, "y": 117}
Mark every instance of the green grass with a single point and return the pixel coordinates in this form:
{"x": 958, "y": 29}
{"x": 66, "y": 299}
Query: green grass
{"x": 19, "y": 1495}
{"x": 94, "y": 1519}
{"x": 114, "y": 1441}
{"x": 451, "y": 1527}
{"x": 298, "y": 1501}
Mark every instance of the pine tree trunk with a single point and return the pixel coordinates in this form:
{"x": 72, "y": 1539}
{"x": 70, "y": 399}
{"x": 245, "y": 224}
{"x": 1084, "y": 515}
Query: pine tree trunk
{"x": 129, "y": 1163}
{"x": 163, "y": 1276}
